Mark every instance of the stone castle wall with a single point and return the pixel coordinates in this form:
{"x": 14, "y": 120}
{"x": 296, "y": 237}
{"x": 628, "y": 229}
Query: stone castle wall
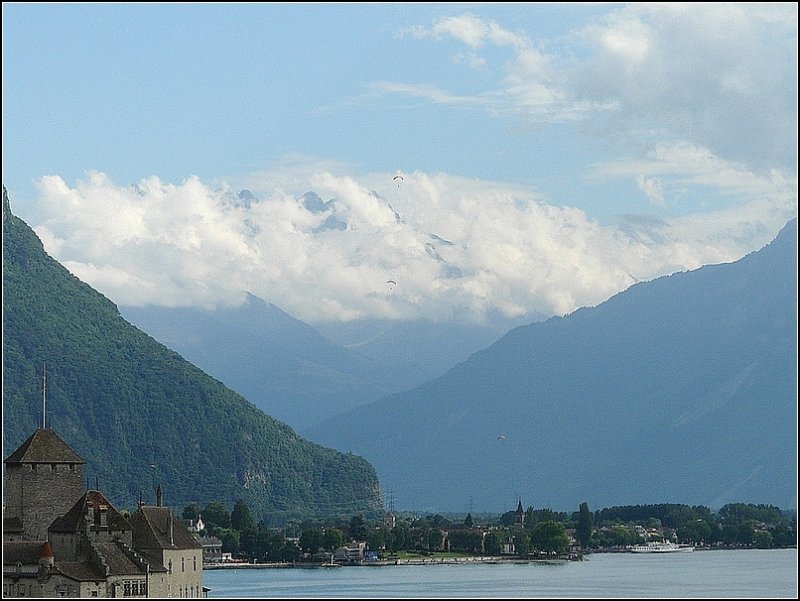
{"x": 38, "y": 493}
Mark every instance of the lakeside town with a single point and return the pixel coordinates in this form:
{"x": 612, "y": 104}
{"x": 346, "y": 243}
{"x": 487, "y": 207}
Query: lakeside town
{"x": 61, "y": 539}
{"x": 518, "y": 535}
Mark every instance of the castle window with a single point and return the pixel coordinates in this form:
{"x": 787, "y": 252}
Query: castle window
{"x": 183, "y": 564}
{"x": 194, "y": 561}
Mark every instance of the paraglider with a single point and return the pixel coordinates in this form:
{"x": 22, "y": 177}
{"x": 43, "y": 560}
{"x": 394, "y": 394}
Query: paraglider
{"x": 398, "y": 179}
{"x": 501, "y": 437}
{"x": 391, "y": 283}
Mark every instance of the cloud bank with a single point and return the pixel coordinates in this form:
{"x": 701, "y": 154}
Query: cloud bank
{"x": 719, "y": 76}
{"x": 458, "y": 249}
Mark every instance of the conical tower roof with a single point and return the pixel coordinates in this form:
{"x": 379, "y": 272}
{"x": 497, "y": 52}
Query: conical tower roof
{"x": 44, "y": 446}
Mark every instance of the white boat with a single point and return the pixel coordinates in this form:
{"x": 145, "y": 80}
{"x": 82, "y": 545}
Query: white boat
{"x": 661, "y": 547}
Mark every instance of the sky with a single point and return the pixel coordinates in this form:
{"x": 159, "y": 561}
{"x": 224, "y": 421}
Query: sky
{"x": 452, "y": 162}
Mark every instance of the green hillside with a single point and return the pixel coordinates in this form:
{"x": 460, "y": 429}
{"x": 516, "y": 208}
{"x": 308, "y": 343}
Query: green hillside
{"x": 140, "y": 415}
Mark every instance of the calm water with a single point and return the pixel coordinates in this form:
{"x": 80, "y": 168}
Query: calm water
{"x": 711, "y": 574}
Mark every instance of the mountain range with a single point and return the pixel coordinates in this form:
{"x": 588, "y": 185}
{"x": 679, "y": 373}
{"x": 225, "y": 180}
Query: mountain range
{"x": 140, "y": 414}
{"x": 296, "y": 374}
{"x": 681, "y": 389}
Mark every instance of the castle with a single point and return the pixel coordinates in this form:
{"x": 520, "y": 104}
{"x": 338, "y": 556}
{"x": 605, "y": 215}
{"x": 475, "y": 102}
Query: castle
{"x": 61, "y": 540}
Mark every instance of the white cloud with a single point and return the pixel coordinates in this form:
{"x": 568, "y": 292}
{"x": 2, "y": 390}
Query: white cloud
{"x": 651, "y": 186}
{"x": 722, "y": 76}
{"x": 679, "y": 164}
{"x": 432, "y": 93}
{"x": 458, "y": 248}
{"x": 471, "y": 30}
{"x": 470, "y": 58}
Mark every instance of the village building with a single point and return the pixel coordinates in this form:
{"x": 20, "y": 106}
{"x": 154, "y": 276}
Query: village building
{"x": 195, "y": 526}
{"x": 168, "y": 545}
{"x": 60, "y": 540}
{"x": 212, "y": 549}
{"x": 353, "y": 553}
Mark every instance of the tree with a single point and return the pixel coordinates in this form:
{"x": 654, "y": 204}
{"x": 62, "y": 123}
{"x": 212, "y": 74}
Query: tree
{"x": 256, "y": 542}
{"x": 376, "y": 540}
{"x": 241, "y": 518}
{"x": 746, "y": 534}
{"x": 549, "y": 537}
{"x": 491, "y": 543}
{"x": 730, "y": 534}
{"x": 508, "y": 518}
{"x": 534, "y": 516}
{"x": 215, "y": 514}
{"x": 678, "y": 515}
{"x": 311, "y": 540}
{"x": 230, "y": 539}
{"x": 191, "y": 512}
{"x": 697, "y": 531}
{"x": 358, "y": 529}
{"x": 522, "y": 545}
{"x": 276, "y": 546}
{"x": 290, "y": 551}
{"x": 464, "y": 540}
{"x": 400, "y": 539}
{"x": 332, "y": 539}
{"x": 435, "y": 539}
{"x": 585, "y": 525}
{"x": 762, "y": 539}
{"x": 784, "y": 535}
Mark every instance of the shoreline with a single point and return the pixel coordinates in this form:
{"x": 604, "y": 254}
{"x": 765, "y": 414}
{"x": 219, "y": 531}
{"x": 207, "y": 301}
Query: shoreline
{"x": 386, "y": 562}
{"x": 429, "y": 561}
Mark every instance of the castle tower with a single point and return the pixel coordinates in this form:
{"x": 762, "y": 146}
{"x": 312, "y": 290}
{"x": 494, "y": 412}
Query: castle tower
{"x": 44, "y": 478}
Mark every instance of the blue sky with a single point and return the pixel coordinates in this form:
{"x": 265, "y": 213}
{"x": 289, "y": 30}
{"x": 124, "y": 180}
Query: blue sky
{"x": 551, "y": 154}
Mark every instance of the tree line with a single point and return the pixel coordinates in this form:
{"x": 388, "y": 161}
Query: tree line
{"x": 542, "y": 532}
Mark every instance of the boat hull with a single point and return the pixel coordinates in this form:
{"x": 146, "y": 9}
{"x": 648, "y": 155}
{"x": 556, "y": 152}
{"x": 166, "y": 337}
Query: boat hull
{"x": 661, "y": 548}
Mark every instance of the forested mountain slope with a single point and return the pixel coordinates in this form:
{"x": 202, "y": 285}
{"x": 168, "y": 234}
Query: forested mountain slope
{"x": 139, "y": 414}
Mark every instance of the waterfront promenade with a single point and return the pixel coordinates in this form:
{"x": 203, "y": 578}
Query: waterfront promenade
{"x": 421, "y": 561}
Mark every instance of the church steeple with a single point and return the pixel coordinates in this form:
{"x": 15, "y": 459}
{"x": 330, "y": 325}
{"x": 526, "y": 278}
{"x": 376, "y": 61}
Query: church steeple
{"x": 520, "y": 515}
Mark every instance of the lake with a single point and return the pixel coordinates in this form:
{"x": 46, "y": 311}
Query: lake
{"x": 710, "y": 574}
